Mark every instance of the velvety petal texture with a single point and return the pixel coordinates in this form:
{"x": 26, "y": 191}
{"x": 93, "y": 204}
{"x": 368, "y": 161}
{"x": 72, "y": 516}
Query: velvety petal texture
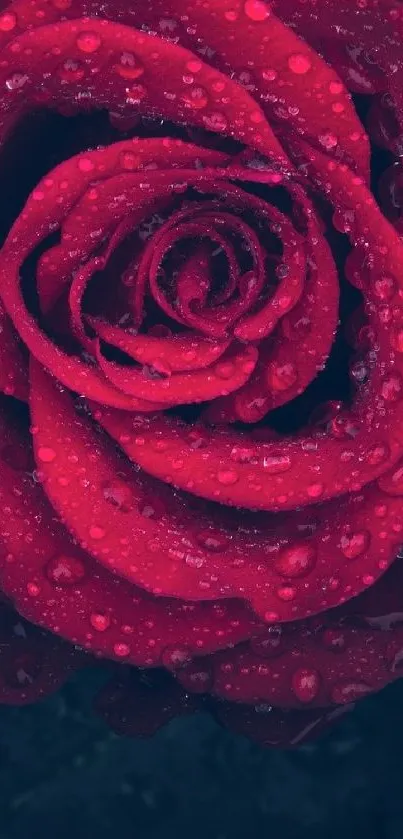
{"x": 201, "y": 357}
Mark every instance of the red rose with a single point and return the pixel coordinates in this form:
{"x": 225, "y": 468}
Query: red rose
{"x": 203, "y": 308}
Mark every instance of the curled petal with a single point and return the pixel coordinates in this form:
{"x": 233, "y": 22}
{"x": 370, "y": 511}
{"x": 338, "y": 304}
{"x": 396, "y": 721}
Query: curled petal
{"x": 189, "y": 552}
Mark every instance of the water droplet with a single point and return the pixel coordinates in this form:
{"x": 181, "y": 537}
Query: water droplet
{"x": 276, "y": 464}
{"x": 216, "y": 121}
{"x": 88, "y": 42}
{"x": 121, "y": 650}
{"x": 119, "y": 494}
{"x": 197, "y": 678}
{"x": 16, "y": 81}
{"x": 269, "y": 74}
{"x": 212, "y": 540}
{"x": 286, "y": 593}
{"x": 65, "y": 570}
{"x": 71, "y": 71}
{"x": 315, "y": 490}
{"x": 227, "y": 477}
{"x": 378, "y": 454}
{"x": 96, "y": 532}
{"x": 135, "y": 94}
{"x": 269, "y": 645}
{"x": 256, "y": 10}
{"x": 194, "y": 65}
{"x": 242, "y": 454}
{"x": 296, "y": 561}
{"x": 305, "y": 684}
{"x": 328, "y": 141}
{"x": 392, "y": 388}
{"x": 354, "y": 544}
{"x": 100, "y": 621}
{"x": 384, "y": 287}
{"x": 336, "y": 88}
{"x": 174, "y": 658}
{"x": 345, "y": 692}
{"x": 129, "y": 66}
{"x": 281, "y": 376}
{"x": 334, "y": 640}
{"x": 299, "y": 64}
{"x": 196, "y": 98}
{"x": 85, "y": 164}
{"x": 45, "y": 454}
{"x": 8, "y": 21}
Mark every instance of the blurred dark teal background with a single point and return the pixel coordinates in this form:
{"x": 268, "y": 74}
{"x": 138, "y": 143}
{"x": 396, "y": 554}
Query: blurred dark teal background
{"x": 64, "y": 775}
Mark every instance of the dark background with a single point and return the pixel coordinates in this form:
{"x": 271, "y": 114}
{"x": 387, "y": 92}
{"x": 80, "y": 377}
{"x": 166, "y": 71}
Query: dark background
{"x": 64, "y": 774}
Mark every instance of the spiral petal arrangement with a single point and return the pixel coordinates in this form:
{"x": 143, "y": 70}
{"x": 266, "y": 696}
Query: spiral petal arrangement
{"x": 183, "y": 485}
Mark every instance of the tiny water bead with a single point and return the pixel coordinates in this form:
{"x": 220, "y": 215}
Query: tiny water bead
{"x": 257, "y": 10}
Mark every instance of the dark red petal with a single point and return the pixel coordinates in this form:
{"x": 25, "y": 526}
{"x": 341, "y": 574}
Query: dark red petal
{"x": 13, "y": 361}
{"x": 227, "y": 374}
{"x": 280, "y": 566}
{"x": 174, "y": 354}
{"x": 362, "y": 43}
{"x": 71, "y": 180}
{"x": 97, "y": 45}
{"x": 55, "y": 584}
{"x": 306, "y": 666}
{"x": 33, "y": 663}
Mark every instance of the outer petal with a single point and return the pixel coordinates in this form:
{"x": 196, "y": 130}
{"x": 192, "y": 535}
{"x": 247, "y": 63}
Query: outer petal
{"x": 186, "y": 551}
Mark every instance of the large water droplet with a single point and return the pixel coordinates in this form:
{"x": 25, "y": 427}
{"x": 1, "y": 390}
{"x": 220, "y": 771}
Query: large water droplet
{"x": 354, "y": 544}
{"x": 296, "y": 561}
{"x": 305, "y": 684}
{"x": 256, "y": 10}
{"x": 65, "y": 570}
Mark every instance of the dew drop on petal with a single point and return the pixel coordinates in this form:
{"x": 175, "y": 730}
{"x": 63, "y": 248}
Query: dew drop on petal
{"x": 46, "y": 454}
{"x": 96, "y": 532}
{"x": 121, "y": 650}
{"x": 296, "y": 561}
{"x": 354, "y": 544}
{"x": 334, "y": 640}
{"x": 299, "y": 64}
{"x": 305, "y": 684}
{"x": 8, "y": 21}
{"x": 99, "y": 621}
{"x": 65, "y": 570}
{"x": 269, "y": 645}
{"x": 256, "y": 10}
{"x": 88, "y": 42}
{"x": 227, "y": 477}
{"x": 392, "y": 388}
{"x": 345, "y": 692}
